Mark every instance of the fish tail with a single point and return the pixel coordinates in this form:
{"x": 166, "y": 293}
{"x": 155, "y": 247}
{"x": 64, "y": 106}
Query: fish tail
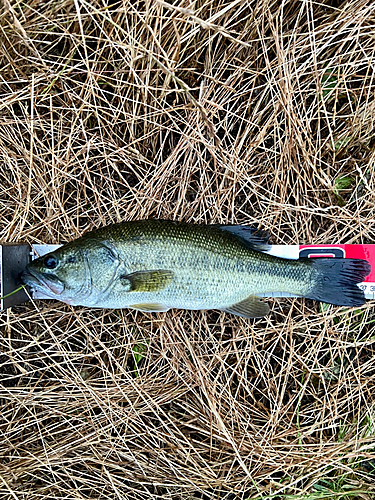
{"x": 336, "y": 281}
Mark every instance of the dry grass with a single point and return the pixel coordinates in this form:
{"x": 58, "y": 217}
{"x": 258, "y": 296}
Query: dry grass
{"x": 209, "y": 111}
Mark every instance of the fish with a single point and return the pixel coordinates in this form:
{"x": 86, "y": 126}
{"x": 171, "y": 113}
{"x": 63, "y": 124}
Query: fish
{"x": 156, "y": 265}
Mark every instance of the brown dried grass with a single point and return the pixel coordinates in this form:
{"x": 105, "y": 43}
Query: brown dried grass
{"x": 207, "y": 112}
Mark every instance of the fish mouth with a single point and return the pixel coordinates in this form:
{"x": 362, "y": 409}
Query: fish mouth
{"x": 38, "y": 282}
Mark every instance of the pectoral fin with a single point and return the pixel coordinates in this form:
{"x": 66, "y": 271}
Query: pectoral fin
{"x": 252, "y": 307}
{"x": 150, "y": 307}
{"x": 147, "y": 281}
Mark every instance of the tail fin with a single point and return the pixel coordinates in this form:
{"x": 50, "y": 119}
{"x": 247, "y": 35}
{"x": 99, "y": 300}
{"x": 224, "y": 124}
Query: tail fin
{"x": 336, "y": 281}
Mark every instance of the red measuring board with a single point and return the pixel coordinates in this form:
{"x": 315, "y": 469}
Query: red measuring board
{"x": 14, "y": 257}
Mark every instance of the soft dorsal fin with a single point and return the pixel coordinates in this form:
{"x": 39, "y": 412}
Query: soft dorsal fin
{"x": 146, "y": 281}
{"x": 253, "y": 237}
{"x": 251, "y": 307}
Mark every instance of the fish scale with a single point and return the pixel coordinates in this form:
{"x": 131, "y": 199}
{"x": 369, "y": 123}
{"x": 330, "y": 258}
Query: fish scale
{"x": 217, "y": 267}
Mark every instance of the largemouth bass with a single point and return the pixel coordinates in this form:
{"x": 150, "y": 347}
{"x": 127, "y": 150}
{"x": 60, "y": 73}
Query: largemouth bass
{"x": 156, "y": 265}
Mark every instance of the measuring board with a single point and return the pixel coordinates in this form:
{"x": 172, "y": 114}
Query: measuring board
{"x": 15, "y": 257}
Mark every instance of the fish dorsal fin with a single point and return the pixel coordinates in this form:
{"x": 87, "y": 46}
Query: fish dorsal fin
{"x": 252, "y": 307}
{"x": 147, "y": 281}
{"x": 253, "y": 237}
{"x": 156, "y": 307}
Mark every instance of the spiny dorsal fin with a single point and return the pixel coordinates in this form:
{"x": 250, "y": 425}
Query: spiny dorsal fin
{"x": 156, "y": 307}
{"x": 252, "y": 307}
{"x": 147, "y": 281}
{"x": 253, "y": 237}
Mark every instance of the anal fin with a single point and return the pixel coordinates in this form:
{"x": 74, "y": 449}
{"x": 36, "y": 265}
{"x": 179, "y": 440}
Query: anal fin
{"x": 251, "y": 307}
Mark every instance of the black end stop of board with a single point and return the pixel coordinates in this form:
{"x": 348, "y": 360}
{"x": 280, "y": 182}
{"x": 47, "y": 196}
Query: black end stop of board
{"x": 14, "y": 258}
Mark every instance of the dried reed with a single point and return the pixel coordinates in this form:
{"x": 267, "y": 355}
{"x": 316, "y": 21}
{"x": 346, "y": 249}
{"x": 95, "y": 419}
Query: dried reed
{"x": 206, "y": 111}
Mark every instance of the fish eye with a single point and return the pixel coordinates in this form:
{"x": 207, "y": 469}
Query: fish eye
{"x": 50, "y": 261}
